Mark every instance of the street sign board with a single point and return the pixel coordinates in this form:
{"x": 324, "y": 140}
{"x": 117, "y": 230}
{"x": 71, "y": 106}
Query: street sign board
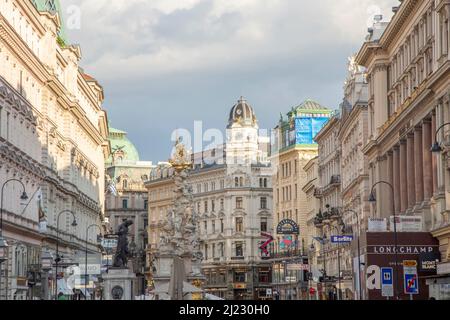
{"x": 377, "y": 225}
{"x": 407, "y": 223}
{"x": 387, "y": 282}
{"x": 411, "y": 278}
{"x": 291, "y": 279}
{"x": 109, "y": 243}
{"x": 92, "y": 269}
{"x": 341, "y": 239}
{"x": 297, "y": 267}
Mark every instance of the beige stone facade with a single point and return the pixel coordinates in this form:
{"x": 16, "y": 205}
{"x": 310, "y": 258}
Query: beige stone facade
{"x": 289, "y": 159}
{"x": 409, "y": 86}
{"x": 53, "y": 139}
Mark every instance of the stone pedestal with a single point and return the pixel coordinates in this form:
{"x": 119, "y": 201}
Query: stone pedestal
{"x": 192, "y": 274}
{"x": 118, "y": 284}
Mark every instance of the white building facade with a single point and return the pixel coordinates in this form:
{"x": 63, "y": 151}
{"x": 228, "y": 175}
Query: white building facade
{"x": 53, "y": 140}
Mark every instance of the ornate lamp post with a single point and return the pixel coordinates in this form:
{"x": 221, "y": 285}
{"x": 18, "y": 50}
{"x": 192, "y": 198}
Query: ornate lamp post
{"x": 359, "y": 250}
{"x": 46, "y": 265}
{"x": 339, "y": 259}
{"x": 372, "y": 199}
{"x": 58, "y": 258}
{"x": 436, "y": 147}
{"x": 3, "y": 243}
{"x": 86, "y": 257}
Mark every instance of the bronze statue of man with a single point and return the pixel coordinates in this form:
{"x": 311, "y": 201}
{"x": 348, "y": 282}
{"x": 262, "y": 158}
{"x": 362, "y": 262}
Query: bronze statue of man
{"x": 122, "y": 252}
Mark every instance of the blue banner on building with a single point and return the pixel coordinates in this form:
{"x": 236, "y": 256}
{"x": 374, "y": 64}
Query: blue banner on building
{"x": 308, "y": 128}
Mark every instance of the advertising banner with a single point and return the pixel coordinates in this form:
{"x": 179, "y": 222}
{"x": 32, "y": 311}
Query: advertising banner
{"x": 407, "y": 224}
{"x": 377, "y": 225}
{"x": 382, "y": 252}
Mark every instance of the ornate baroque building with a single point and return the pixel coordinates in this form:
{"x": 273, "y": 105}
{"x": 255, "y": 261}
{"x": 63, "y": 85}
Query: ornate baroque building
{"x": 233, "y": 197}
{"x": 127, "y": 198}
{"x": 293, "y": 147}
{"x": 53, "y": 140}
{"x": 408, "y": 71}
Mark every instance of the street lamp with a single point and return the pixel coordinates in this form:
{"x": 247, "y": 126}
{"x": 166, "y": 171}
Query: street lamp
{"x": 86, "y": 257}
{"x": 322, "y": 241}
{"x": 373, "y": 199}
{"x": 58, "y": 258}
{"x": 359, "y": 251}
{"x": 3, "y": 243}
{"x": 24, "y": 196}
{"x": 339, "y": 265}
{"x": 436, "y": 147}
{"x": 46, "y": 265}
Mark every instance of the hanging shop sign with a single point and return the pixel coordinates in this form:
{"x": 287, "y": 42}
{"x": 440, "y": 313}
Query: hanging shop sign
{"x": 288, "y": 226}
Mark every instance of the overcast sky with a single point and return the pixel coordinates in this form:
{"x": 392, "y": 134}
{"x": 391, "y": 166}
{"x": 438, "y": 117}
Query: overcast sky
{"x": 166, "y": 63}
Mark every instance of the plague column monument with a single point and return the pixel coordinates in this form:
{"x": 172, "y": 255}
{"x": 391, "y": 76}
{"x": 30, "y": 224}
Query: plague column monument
{"x": 178, "y": 262}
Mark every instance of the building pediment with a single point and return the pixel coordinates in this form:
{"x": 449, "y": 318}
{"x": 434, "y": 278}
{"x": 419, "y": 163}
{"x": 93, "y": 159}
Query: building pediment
{"x": 264, "y": 213}
{"x": 239, "y": 212}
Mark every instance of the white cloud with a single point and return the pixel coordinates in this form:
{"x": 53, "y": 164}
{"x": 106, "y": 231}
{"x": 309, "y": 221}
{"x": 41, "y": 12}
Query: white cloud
{"x": 279, "y": 51}
{"x": 165, "y": 36}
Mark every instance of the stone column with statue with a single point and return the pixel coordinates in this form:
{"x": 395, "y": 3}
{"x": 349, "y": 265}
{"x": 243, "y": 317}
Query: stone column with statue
{"x": 179, "y": 237}
{"x": 119, "y": 282}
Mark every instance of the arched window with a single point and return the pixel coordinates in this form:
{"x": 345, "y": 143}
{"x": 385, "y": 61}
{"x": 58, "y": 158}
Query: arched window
{"x": 236, "y": 182}
{"x": 241, "y": 182}
{"x": 265, "y": 183}
{"x": 125, "y": 184}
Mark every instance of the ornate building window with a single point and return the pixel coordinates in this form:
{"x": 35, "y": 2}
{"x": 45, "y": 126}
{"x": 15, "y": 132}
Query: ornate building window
{"x": 239, "y": 203}
{"x": 263, "y": 203}
{"x": 263, "y": 224}
{"x": 239, "y": 224}
{"x": 239, "y": 251}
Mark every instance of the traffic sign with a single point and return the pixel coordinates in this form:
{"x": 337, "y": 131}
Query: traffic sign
{"x": 387, "y": 282}
{"x": 411, "y": 284}
{"x": 411, "y": 278}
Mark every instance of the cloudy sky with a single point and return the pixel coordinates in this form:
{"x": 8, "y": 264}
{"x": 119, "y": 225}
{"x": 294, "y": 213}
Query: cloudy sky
{"x": 166, "y": 63}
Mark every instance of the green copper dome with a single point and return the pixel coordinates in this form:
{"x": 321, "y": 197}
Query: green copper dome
{"x": 122, "y": 149}
{"x": 52, "y": 6}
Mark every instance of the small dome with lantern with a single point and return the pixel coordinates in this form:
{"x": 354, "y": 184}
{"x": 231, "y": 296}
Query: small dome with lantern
{"x": 242, "y": 113}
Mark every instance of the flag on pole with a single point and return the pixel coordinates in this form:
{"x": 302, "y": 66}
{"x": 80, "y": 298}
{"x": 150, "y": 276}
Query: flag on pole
{"x": 42, "y": 215}
{"x": 112, "y": 188}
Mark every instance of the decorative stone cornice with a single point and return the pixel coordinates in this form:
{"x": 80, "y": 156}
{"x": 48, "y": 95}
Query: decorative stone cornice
{"x": 16, "y": 102}
{"x": 11, "y": 154}
{"x": 82, "y": 162}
